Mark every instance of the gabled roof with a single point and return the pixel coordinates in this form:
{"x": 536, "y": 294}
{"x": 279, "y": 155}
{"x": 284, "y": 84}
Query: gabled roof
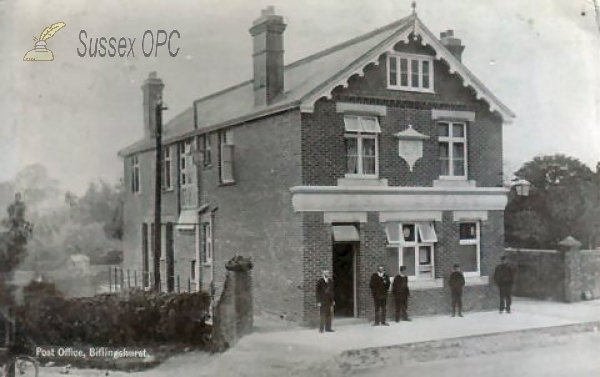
{"x": 309, "y": 79}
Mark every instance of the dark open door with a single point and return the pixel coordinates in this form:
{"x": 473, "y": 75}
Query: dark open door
{"x": 345, "y": 278}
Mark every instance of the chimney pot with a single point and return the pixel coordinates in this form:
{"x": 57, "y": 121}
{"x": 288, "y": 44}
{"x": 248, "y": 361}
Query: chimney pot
{"x": 453, "y": 44}
{"x": 269, "y": 11}
{"x": 151, "y": 93}
{"x": 267, "y": 35}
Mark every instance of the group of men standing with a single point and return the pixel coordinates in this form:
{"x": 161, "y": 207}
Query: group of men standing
{"x": 380, "y": 284}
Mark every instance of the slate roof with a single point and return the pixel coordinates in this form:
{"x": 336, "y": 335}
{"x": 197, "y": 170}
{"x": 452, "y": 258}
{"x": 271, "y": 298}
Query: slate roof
{"x": 302, "y": 79}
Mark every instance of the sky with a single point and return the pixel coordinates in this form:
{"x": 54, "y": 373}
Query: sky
{"x": 541, "y": 58}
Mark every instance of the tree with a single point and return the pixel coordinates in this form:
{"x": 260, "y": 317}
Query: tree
{"x": 563, "y": 201}
{"x": 36, "y": 186}
{"x": 13, "y": 243}
{"x": 102, "y": 204}
{"x": 115, "y": 227}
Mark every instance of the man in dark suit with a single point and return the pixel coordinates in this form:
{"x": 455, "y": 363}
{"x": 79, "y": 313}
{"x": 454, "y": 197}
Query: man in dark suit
{"x": 325, "y": 301}
{"x": 504, "y": 278}
{"x": 401, "y": 294}
{"x": 456, "y": 283}
{"x": 380, "y": 284}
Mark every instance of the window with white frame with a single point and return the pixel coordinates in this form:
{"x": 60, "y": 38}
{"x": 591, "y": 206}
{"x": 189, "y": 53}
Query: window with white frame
{"x": 453, "y": 149}
{"x": 187, "y": 175}
{"x": 226, "y": 156}
{"x": 207, "y": 255}
{"x": 362, "y": 145}
{"x": 167, "y": 183}
{"x": 469, "y": 251}
{"x": 413, "y": 245}
{"x": 410, "y": 72}
{"x": 135, "y": 174}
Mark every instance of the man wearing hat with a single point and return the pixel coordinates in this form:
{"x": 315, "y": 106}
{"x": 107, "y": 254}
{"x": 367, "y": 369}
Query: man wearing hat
{"x": 401, "y": 294}
{"x": 504, "y": 279}
{"x": 456, "y": 283}
{"x": 325, "y": 300}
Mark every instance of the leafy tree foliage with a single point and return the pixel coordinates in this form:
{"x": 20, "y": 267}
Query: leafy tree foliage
{"x": 13, "y": 242}
{"x": 66, "y": 224}
{"x": 564, "y": 200}
{"x": 101, "y": 203}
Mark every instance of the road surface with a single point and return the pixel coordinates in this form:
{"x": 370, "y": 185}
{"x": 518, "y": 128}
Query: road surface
{"x": 580, "y": 357}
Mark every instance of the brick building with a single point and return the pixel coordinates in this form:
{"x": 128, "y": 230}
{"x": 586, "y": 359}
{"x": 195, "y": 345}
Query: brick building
{"x": 384, "y": 149}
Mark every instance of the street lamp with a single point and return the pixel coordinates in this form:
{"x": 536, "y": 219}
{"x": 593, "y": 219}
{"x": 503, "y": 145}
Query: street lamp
{"x": 521, "y": 186}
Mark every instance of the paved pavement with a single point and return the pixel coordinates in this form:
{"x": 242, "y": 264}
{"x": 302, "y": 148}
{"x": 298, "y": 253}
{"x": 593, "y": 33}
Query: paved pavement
{"x": 526, "y": 314}
{"x": 283, "y": 349}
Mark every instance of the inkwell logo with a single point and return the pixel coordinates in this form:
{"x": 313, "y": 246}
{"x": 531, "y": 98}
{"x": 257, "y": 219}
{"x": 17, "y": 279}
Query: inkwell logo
{"x": 40, "y": 52}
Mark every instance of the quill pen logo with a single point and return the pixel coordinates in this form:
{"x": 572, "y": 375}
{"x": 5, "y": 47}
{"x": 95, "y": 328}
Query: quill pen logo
{"x": 40, "y": 52}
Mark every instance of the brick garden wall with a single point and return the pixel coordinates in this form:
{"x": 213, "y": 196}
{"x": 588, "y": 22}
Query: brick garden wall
{"x": 538, "y": 273}
{"x": 234, "y": 312}
{"x": 557, "y": 275}
{"x": 590, "y": 267}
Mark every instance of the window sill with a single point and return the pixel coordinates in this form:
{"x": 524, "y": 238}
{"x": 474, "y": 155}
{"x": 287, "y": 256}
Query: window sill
{"x": 170, "y": 189}
{"x": 207, "y": 264}
{"x": 227, "y": 183}
{"x": 361, "y": 176}
{"x": 453, "y": 178}
{"x": 207, "y": 167}
{"x": 425, "y": 284}
{"x": 410, "y": 89}
{"x": 358, "y": 180}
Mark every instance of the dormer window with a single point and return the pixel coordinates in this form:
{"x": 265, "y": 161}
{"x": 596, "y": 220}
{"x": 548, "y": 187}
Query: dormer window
{"x": 410, "y": 72}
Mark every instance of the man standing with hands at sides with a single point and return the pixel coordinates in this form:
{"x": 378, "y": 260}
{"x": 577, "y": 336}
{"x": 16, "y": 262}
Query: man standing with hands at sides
{"x": 456, "y": 283}
{"x": 401, "y": 294}
{"x": 380, "y": 284}
{"x": 325, "y": 301}
{"x": 504, "y": 278}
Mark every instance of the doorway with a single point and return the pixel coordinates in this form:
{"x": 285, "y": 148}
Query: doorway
{"x": 344, "y": 276}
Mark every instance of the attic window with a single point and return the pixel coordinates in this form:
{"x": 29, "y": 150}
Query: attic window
{"x": 410, "y": 72}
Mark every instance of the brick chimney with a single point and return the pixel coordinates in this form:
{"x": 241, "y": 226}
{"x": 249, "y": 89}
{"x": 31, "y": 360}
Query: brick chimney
{"x": 267, "y": 57}
{"x": 453, "y": 45}
{"x": 152, "y": 92}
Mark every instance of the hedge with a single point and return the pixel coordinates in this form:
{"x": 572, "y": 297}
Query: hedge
{"x": 137, "y": 318}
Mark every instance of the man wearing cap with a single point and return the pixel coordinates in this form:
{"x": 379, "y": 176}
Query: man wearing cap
{"x": 325, "y": 301}
{"x": 380, "y": 284}
{"x": 401, "y": 294}
{"x": 504, "y": 279}
{"x": 456, "y": 283}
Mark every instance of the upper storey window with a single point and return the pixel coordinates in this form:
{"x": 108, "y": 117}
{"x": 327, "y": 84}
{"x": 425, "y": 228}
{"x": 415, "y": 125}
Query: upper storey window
{"x": 453, "y": 150}
{"x": 410, "y": 72}
{"x": 362, "y": 150}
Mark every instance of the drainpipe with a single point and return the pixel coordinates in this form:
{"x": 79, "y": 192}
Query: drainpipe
{"x": 212, "y": 265}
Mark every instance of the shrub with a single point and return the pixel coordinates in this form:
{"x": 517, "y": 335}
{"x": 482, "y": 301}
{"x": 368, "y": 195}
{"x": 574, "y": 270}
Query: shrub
{"x": 136, "y": 319}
